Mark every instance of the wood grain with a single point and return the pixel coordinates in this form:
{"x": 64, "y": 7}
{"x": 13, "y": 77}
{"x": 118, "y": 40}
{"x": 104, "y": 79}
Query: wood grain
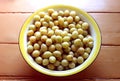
{"x": 109, "y": 26}
{"x": 18, "y": 80}
{"x": 33, "y": 5}
{"x": 60, "y": 80}
{"x": 13, "y": 14}
{"x": 10, "y": 26}
{"x": 107, "y": 80}
{"x": 108, "y": 23}
{"x": 12, "y": 64}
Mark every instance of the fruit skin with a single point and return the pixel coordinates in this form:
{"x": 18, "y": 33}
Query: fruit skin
{"x": 59, "y": 40}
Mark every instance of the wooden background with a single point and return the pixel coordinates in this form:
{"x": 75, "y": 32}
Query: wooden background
{"x": 13, "y": 14}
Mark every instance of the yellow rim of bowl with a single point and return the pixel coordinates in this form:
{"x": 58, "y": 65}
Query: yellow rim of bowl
{"x": 62, "y": 73}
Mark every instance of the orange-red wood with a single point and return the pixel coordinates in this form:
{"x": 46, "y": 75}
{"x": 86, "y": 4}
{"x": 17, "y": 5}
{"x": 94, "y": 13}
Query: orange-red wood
{"x": 105, "y": 66}
{"x": 13, "y": 13}
{"x": 10, "y": 26}
{"x": 60, "y": 80}
{"x": 32, "y": 5}
{"x": 17, "y": 80}
{"x": 107, "y": 80}
{"x": 108, "y": 22}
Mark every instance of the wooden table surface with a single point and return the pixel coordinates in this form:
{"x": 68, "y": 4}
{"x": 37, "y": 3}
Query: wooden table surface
{"x": 13, "y": 13}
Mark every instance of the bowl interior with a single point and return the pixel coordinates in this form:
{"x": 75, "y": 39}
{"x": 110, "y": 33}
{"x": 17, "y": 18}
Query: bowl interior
{"x": 94, "y": 31}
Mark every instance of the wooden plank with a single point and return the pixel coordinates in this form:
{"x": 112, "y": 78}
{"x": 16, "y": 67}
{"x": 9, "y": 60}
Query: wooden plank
{"x": 59, "y": 80}
{"x": 109, "y": 26}
{"x": 105, "y": 66}
{"x": 33, "y": 5}
{"x": 107, "y": 80}
{"x": 17, "y": 80}
{"x": 12, "y": 62}
{"x": 10, "y": 26}
{"x": 108, "y": 23}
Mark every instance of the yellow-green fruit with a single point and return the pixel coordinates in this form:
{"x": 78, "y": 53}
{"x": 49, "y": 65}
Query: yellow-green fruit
{"x": 43, "y": 47}
{"x": 29, "y": 49}
{"x": 52, "y": 48}
{"x": 50, "y": 11}
{"x": 77, "y": 42}
{"x": 73, "y": 13}
{"x": 52, "y": 59}
{"x": 47, "y": 54}
{"x": 30, "y": 32}
{"x": 57, "y": 53}
{"x": 45, "y": 62}
{"x": 60, "y": 68}
{"x": 85, "y": 25}
{"x": 65, "y": 44}
{"x": 70, "y": 19}
{"x": 80, "y": 50}
{"x": 85, "y": 55}
{"x": 64, "y": 62}
{"x": 32, "y": 27}
{"x": 69, "y": 57}
{"x": 35, "y": 53}
{"x": 51, "y": 66}
{"x": 72, "y": 65}
{"x": 74, "y": 34}
{"x": 58, "y": 39}
{"x": 37, "y": 35}
{"x": 48, "y": 42}
{"x": 36, "y": 46}
{"x": 38, "y": 60}
{"x": 36, "y": 18}
{"x": 37, "y": 24}
{"x": 80, "y": 59}
{"x": 32, "y": 39}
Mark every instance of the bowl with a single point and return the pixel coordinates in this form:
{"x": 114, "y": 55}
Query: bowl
{"x": 94, "y": 31}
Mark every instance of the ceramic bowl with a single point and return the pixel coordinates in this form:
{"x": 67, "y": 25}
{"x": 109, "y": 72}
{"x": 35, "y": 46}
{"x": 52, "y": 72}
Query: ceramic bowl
{"x": 94, "y": 31}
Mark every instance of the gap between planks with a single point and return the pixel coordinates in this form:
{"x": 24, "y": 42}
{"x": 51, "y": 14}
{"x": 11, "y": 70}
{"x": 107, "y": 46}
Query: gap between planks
{"x": 109, "y": 34}
{"x": 58, "y": 79}
{"x": 15, "y": 65}
{"x": 88, "y": 5}
{"x": 36, "y": 10}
